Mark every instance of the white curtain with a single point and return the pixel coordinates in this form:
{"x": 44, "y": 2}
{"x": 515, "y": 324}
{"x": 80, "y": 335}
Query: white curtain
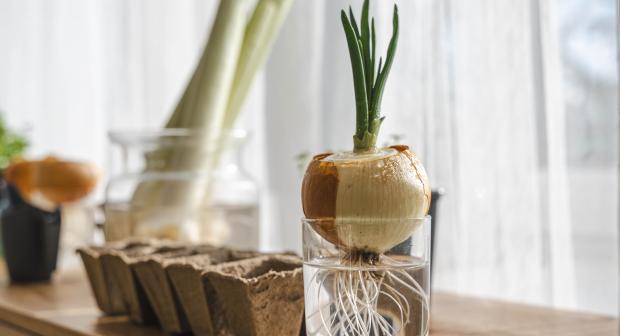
{"x": 477, "y": 90}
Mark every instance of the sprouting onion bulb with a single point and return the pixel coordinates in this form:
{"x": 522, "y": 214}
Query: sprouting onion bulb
{"x": 364, "y": 200}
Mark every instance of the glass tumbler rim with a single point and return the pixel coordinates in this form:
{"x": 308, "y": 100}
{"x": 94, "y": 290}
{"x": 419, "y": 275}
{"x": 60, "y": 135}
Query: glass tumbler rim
{"x": 315, "y": 220}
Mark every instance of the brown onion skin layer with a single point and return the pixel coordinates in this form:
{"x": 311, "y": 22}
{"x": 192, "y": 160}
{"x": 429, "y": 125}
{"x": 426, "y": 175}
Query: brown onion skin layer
{"x": 320, "y": 191}
{"x": 420, "y": 171}
{"x": 318, "y": 195}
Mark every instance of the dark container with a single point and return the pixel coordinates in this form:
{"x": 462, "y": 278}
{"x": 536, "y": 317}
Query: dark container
{"x": 435, "y": 197}
{"x": 404, "y": 247}
{"x": 30, "y": 238}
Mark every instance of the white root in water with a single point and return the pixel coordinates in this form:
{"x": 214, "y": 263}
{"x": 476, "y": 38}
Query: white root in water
{"x": 353, "y": 305}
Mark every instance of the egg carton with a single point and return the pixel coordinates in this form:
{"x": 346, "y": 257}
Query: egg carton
{"x": 198, "y": 288}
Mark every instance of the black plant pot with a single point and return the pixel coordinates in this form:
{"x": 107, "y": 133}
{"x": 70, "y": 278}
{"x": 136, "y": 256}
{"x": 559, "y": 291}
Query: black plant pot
{"x": 435, "y": 197}
{"x": 404, "y": 247}
{"x": 30, "y": 237}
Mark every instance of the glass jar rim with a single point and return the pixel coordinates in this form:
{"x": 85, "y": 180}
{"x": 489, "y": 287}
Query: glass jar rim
{"x": 136, "y": 137}
{"x": 324, "y": 219}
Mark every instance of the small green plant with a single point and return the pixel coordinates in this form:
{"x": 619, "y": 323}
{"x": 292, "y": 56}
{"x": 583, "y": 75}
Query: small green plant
{"x": 12, "y": 145}
{"x": 369, "y": 82}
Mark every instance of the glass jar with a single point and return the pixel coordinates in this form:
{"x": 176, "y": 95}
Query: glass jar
{"x": 366, "y": 293}
{"x": 176, "y": 184}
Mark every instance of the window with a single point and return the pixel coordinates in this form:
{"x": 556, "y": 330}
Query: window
{"x": 512, "y": 106}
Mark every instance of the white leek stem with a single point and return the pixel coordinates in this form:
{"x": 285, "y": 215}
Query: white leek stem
{"x": 261, "y": 32}
{"x": 211, "y": 103}
{"x": 202, "y": 106}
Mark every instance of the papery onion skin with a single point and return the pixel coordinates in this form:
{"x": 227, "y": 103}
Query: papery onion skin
{"x": 367, "y": 201}
{"x": 318, "y": 194}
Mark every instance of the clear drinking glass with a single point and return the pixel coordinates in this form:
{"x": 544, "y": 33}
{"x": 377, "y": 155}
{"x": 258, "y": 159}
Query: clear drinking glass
{"x": 373, "y": 294}
{"x": 174, "y": 184}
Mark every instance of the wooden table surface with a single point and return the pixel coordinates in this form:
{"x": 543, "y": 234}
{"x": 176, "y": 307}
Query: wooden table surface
{"x": 66, "y": 307}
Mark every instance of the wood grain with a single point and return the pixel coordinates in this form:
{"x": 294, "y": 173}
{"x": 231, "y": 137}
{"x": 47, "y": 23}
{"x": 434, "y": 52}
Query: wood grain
{"x": 63, "y": 307}
{"x": 454, "y": 315}
{"x": 10, "y": 330}
{"x": 66, "y": 307}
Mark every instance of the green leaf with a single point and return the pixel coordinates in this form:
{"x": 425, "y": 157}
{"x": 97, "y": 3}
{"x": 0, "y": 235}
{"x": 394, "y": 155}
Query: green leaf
{"x": 383, "y": 73}
{"x": 366, "y": 50}
{"x": 373, "y": 56}
{"x": 357, "y": 66}
{"x": 362, "y": 43}
{"x": 354, "y": 24}
{"x": 374, "y": 91}
{"x": 12, "y": 145}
